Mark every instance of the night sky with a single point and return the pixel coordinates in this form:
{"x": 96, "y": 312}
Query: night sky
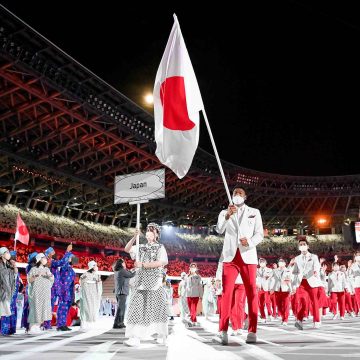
{"x": 280, "y": 80}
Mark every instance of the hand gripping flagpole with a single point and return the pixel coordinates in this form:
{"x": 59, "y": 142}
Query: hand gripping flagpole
{"x": 217, "y": 157}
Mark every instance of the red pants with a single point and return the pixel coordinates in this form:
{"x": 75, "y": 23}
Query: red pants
{"x": 248, "y": 275}
{"x": 218, "y": 304}
{"x": 338, "y": 298}
{"x": 348, "y": 303}
{"x": 305, "y": 293}
{"x": 264, "y": 299}
{"x": 294, "y": 306}
{"x": 283, "y": 304}
{"x": 273, "y": 305}
{"x": 357, "y": 297}
{"x": 238, "y": 307}
{"x": 355, "y": 304}
{"x": 192, "y": 304}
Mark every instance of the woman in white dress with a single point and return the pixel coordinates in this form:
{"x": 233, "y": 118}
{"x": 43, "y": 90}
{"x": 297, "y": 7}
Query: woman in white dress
{"x": 91, "y": 291}
{"x": 147, "y": 313}
{"x": 169, "y": 298}
{"x": 8, "y": 273}
{"x": 183, "y": 305}
{"x": 40, "y": 281}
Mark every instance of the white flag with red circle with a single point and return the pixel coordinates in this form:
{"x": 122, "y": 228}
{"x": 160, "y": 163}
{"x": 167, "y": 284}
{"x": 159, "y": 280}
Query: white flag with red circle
{"x": 177, "y": 103}
{"x": 22, "y": 233}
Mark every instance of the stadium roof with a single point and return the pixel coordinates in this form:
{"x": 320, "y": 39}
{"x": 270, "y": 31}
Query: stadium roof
{"x": 65, "y": 134}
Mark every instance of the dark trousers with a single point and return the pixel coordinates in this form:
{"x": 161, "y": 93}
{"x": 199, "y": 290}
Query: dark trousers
{"x": 120, "y": 311}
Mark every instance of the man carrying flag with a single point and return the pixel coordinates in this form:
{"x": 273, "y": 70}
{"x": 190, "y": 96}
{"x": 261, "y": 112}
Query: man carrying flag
{"x": 22, "y": 233}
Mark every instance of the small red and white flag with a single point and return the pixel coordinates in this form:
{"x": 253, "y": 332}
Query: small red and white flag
{"x": 22, "y": 233}
{"x": 177, "y": 103}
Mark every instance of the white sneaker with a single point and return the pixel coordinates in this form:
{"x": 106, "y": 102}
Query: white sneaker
{"x": 251, "y": 338}
{"x": 342, "y": 318}
{"x": 133, "y": 342}
{"x": 236, "y": 332}
{"x": 284, "y": 323}
{"x": 352, "y": 314}
{"x": 221, "y": 338}
{"x": 316, "y": 325}
{"x": 335, "y": 316}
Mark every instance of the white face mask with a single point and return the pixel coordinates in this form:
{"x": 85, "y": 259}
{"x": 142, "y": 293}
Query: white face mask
{"x": 357, "y": 258}
{"x": 303, "y": 248}
{"x": 193, "y": 270}
{"x": 262, "y": 264}
{"x": 238, "y": 200}
{"x": 281, "y": 264}
{"x": 336, "y": 268}
{"x": 150, "y": 236}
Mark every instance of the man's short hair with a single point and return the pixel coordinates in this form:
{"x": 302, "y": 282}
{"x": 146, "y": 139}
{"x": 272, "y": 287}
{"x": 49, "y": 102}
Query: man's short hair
{"x": 302, "y": 238}
{"x": 239, "y": 187}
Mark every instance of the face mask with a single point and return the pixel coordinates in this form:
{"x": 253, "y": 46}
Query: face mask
{"x": 303, "y": 247}
{"x": 7, "y": 256}
{"x": 281, "y": 264}
{"x": 193, "y": 270}
{"x": 238, "y": 200}
{"x": 262, "y": 265}
{"x": 357, "y": 258}
{"x": 336, "y": 268}
{"x": 150, "y": 236}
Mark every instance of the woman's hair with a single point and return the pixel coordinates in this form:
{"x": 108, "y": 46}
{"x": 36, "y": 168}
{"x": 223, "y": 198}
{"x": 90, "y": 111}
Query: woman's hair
{"x": 119, "y": 264}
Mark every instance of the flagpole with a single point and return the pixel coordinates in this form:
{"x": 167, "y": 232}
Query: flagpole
{"x": 217, "y": 156}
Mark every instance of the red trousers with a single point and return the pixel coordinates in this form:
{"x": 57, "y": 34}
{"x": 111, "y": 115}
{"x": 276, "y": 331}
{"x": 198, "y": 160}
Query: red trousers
{"x": 357, "y": 297}
{"x": 248, "y": 275}
{"x": 218, "y": 304}
{"x": 192, "y": 304}
{"x": 294, "y": 307}
{"x": 264, "y": 300}
{"x": 338, "y": 299}
{"x": 283, "y": 304}
{"x": 348, "y": 302}
{"x": 355, "y": 304}
{"x": 238, "y": 307}
{"x": 305, "y": 293}
{"x": 273, "y": 305}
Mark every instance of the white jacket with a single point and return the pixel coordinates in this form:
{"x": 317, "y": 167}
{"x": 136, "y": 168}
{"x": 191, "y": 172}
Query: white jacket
{"x": 263, "y": 276}
{"x": 355, "y": 273}
{"x": 194, "y": 286}
{"x": 307, "y": 270}
{"x": 337, "y": 281}
{"x": 278, "y": 280}
{"x": 250, "y": 227}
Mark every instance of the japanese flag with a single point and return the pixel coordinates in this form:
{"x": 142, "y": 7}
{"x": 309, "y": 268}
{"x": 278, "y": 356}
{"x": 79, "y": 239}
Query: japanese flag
{"x": 177, "y": 103}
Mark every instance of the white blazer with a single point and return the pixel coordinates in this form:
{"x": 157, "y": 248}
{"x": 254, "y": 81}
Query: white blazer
{"x": 263, "y": 276}
{"x": 306, "y": 270}
{"x": 277, "y": 282}
{"x": 355, "y": 273}
{"x": 337, "y": 281}
{"x": 250, "y": 227}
